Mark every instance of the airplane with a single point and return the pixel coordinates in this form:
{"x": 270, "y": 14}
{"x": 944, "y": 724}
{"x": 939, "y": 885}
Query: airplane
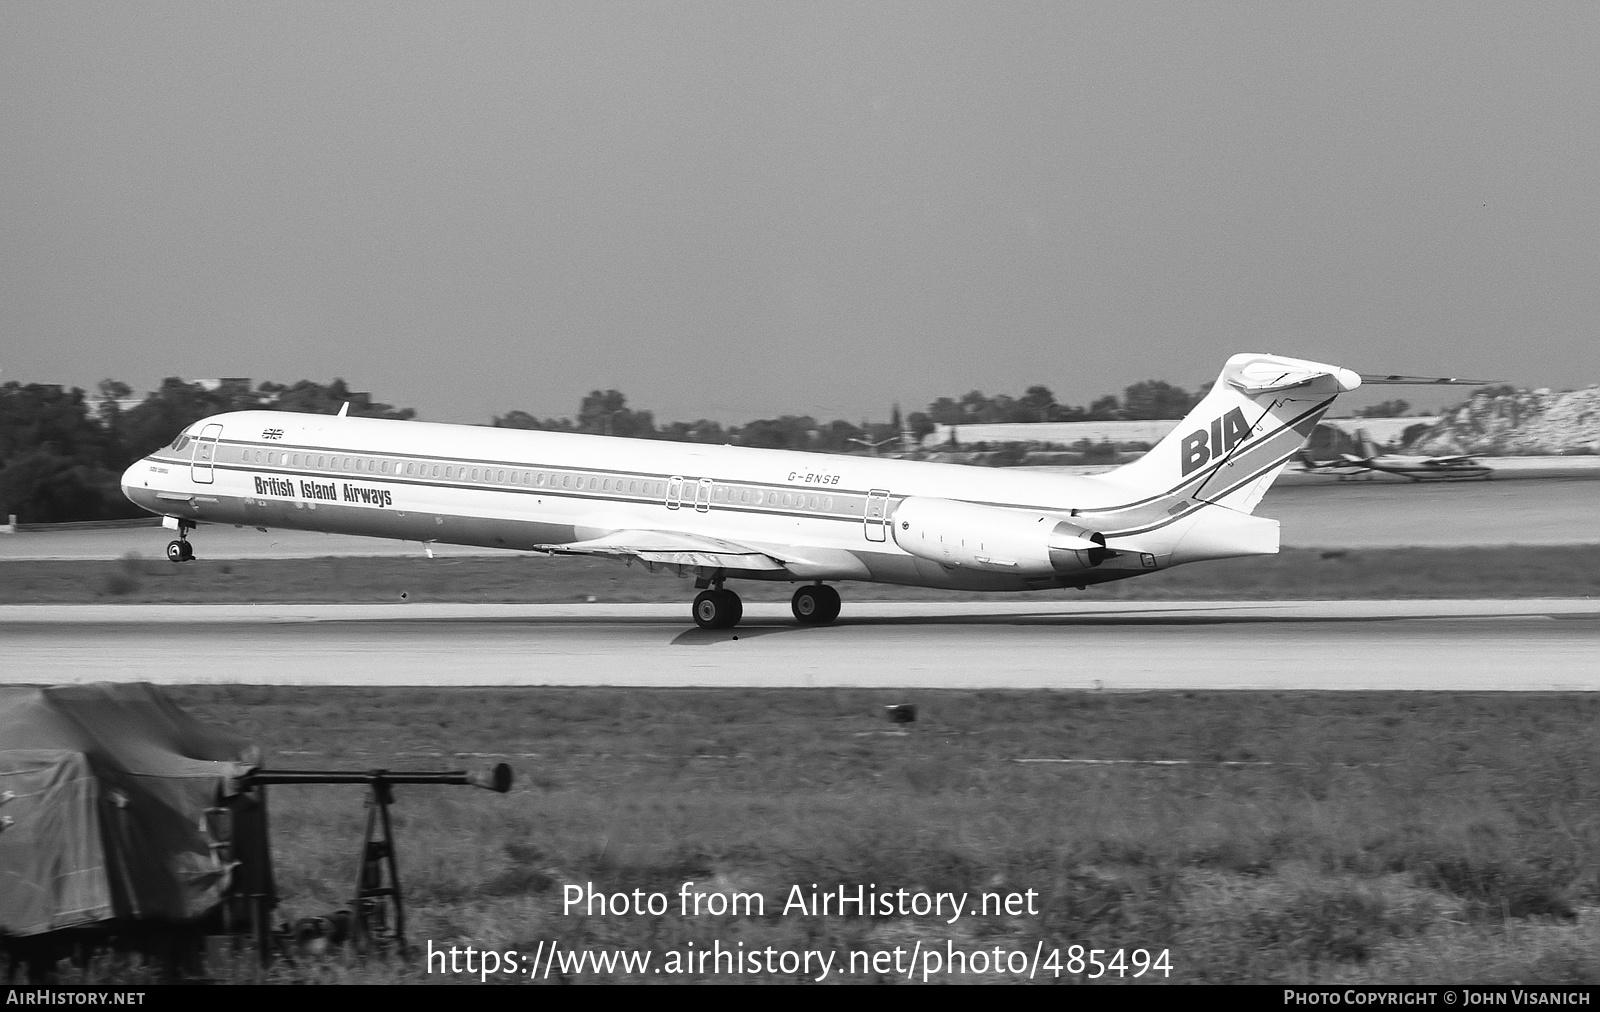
{"x": 872, "y": 446}
{"x": 1450, "y": 468}
{"x": 723, "y": 513}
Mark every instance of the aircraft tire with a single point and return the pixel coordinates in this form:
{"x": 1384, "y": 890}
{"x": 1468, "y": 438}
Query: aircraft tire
{"x": 179, "y": 551}
{"x": 717, "y": 609}
{"x": 816, "y": 604}
{"x": 735, "y": 608}
{"x": 834, "y": 604}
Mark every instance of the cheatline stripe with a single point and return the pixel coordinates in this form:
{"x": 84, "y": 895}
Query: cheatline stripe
{"x": 553, "y": 492}
{"x": 1271, "y": 464}
{"x": 1206, "y": 472}
{"x": 1277, "y": 459}
{"x": 1174, "y": 518}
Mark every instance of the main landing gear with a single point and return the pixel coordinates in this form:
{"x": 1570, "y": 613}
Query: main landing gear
{"x": 180, "y": 550}
{"x": 815, "y": 604}
{"x": 717, "y": 609}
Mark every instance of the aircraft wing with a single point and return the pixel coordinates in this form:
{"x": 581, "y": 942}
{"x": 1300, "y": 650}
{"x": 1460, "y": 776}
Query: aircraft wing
{"x": 1461, "y": 458}
{"x": 670, "y": 547}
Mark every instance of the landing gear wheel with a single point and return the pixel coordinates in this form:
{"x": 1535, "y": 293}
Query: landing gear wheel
{"x": 180, "y": 551}
{"x": 817, "y": 604}
{"x": 718, "y": 609}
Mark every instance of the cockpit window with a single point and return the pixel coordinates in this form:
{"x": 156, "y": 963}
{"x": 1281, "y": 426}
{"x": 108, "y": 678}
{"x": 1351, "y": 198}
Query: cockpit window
{"x": 182, "y": 441}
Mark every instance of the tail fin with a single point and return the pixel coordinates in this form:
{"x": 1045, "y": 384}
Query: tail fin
{"x": 1241, "y": 435}
{"x": 1369, "y": 449}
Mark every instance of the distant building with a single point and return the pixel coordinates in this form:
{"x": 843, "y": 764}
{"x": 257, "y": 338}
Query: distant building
{"x": 1052, "y": 433}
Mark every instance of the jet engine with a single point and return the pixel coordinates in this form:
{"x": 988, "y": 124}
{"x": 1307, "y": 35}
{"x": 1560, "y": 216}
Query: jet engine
{"x": 997, "y": 540}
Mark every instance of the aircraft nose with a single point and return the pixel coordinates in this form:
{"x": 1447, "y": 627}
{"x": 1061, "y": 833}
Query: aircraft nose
{"x": 130, "y": 479}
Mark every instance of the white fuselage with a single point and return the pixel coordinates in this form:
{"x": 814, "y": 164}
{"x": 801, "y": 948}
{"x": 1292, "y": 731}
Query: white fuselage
{"x": 824, "y": 517}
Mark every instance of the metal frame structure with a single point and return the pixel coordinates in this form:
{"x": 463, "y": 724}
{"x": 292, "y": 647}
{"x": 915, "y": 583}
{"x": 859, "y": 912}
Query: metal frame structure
{"x": 377, "y": 881}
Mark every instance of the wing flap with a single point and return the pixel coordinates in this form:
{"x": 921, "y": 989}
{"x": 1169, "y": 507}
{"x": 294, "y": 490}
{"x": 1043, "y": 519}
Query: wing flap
{"x": 671, "y": 548}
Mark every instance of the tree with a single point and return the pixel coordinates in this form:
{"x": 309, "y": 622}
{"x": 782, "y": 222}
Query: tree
{"x": 922, "y": 425}
{"x": 324, "y": 400}
{"x": 1155, "y": 399}
{"x": 702, "y": 431}
{"x": 57, "y": 460}
{"x": 1038, "y": 403}
{"x": 788, "y": 432}
{"x": 946, "y": 412}
{"x": 606, "y": 413}
{"x": 517, "y": 420}
{"x": 974, "y": 406}
{"x": 1104, "y": 409}
{"x": 1388, "y": 409}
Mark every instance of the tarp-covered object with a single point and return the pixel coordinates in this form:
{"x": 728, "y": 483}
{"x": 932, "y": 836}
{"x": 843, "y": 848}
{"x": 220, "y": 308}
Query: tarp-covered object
{"x": 110, "y": 799}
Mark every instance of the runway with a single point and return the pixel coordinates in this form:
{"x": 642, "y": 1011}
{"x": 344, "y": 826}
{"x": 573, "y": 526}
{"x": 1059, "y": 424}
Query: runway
{"x": 1525, "y": 645}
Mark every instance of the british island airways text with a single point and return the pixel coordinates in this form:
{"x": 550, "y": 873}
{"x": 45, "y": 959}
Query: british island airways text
{"x": 344, "y": 492}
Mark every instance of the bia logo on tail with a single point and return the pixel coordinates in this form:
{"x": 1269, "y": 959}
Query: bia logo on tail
{"x": 1226, "y": 432}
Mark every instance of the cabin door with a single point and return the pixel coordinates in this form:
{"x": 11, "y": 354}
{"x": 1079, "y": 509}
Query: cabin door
{"x": 877, "y": 508}
{"x": 674, "y": 491}
{"x": 204, "y": 454}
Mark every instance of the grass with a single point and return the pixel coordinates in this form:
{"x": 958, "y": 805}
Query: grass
{"x": 1326, "y": 837}
{"x": 1527, "y": 571}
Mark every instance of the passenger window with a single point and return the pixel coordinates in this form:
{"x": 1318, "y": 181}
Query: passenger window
{"x": 539, "y": 479}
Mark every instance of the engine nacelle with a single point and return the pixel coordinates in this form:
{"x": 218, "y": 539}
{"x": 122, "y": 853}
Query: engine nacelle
{"x": 997, "y": 540}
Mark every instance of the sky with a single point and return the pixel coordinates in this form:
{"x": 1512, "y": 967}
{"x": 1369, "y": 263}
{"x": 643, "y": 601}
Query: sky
{"x": 735, "y": 210}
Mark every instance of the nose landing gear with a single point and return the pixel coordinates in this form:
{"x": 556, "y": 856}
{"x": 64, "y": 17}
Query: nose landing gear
{"x": 180, "y": 550}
